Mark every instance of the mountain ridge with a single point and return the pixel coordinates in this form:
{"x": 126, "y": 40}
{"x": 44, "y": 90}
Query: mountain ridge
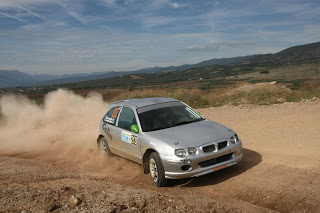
{"x": 297, "y": 54}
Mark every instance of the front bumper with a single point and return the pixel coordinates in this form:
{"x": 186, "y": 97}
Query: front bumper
{"x": 220, "y": 160}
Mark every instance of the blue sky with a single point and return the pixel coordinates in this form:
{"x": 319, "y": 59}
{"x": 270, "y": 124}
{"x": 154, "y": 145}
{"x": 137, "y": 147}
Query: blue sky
{"x": 73, "y": 36}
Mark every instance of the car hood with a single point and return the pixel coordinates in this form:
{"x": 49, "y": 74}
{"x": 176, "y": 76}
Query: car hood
{"x": 191, "y": 135}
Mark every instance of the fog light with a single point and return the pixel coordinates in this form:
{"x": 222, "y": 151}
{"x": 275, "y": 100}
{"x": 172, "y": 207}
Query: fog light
{"x": 185, "y": 168}
{"x": 186, "y": 161}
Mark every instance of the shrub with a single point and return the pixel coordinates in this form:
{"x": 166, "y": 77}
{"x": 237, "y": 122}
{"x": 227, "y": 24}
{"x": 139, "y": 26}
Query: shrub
{"x": 264, "y": 71}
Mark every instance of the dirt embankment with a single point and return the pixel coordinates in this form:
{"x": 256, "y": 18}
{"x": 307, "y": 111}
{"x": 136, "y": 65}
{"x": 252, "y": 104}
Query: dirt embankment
{"x": 48, "y": 162}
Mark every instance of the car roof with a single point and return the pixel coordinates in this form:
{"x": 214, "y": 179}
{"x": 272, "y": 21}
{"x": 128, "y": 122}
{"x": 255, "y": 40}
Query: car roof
{"x": 143, "y": 101}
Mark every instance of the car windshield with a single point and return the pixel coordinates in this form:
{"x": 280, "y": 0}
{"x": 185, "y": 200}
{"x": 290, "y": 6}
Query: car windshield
{"x": 166, "y": 117}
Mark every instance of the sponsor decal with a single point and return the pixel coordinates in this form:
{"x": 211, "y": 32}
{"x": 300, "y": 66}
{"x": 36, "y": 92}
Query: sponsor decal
{"x": 107, "y": 130}
{"x": 128, "y": 138}
{"x": 109, "y": 120}
{"x": 219, "y": 167}
{"x": 191, "y": 111}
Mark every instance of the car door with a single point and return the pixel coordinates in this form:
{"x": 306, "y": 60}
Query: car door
{"x": 108, "y": 126}
{"x": 128, "y": 141}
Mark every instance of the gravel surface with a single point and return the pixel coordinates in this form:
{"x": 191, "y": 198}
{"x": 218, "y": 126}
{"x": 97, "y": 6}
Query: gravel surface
{"x": 279, "y": 172}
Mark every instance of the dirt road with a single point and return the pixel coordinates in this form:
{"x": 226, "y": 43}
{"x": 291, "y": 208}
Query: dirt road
{"x": 280, "y": 172}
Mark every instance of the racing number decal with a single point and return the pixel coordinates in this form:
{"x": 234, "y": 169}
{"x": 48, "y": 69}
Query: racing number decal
{"x": 128, "y": 138}
{"x": 133, "y": 139}
{"x": 115, "y": 113}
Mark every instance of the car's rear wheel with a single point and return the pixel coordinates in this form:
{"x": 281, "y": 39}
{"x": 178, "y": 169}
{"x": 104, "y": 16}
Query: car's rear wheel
{"x": 103, "y": 146}
{"x": 157, "y": 170}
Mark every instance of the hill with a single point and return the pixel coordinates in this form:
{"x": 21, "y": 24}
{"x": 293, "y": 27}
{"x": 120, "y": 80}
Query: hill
{"x": 294, "y": 55}
{"x": 309, "y": 53}
{"x": 13, "y": 78}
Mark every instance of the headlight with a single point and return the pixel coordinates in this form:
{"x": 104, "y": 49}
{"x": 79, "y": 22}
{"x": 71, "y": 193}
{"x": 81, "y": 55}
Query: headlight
{"x": 192, "y": 151}
{"x": 180, "y": 153}
{"x": 234, "y": 139}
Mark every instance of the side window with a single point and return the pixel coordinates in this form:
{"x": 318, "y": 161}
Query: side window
{"x": 112, "y": 115}
{"x": 126, "y": 118}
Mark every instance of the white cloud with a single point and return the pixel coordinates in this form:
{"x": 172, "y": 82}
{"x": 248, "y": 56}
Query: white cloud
{"x": 156, "y": 4}
{"x": 17, "y": 3}
{"x": 111, "y": 3}
{"x": 74, "y": 9}
{"x": 157, "y": 21}
{"x": 76, "y": 16}
{"x": 313, "y": 30}
{"x": 133, "y": 34}
{"x": 12, "y": 16}
{"x": 21, "y": 8}
{"x": 217, "y": 45}
{"x": 175, "y": 5}
{"x": 33, "y": 13}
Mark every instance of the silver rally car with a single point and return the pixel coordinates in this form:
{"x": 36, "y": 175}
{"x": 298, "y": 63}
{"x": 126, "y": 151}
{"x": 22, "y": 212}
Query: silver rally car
{"x": 168, "y": 138}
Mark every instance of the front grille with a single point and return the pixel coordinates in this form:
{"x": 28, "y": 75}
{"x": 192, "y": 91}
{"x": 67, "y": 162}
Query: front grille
{"x": 221, "y": 145}
{"x": 217, "y": 160}
{"x": 210, "y": 148}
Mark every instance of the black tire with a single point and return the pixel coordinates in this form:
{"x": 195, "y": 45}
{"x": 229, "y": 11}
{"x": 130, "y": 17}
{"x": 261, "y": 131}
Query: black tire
{"x": 103, "y": 146}
{"x": 157, "y": 170}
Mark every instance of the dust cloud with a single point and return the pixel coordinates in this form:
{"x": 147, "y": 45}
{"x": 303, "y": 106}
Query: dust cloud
{"x": 65, "y": 124}
{"x": 63, "y": 129}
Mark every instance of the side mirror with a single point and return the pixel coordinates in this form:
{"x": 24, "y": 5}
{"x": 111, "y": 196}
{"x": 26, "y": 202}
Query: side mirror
{"x": 134, "y": 128}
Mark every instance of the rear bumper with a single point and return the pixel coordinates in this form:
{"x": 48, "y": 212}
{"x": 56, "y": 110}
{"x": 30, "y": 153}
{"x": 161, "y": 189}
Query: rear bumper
{"x": 173, "y": 165}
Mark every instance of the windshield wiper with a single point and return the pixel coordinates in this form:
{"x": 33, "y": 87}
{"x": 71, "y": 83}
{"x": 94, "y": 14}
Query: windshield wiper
{"x": 187, "y": 122}
{"x": 159, "y": 128}
{"x": 177, "y": 124}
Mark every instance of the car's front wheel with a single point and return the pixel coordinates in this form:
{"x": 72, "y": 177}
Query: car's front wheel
{"x": 157, "y": 170}
{"x": 103, "y": 146}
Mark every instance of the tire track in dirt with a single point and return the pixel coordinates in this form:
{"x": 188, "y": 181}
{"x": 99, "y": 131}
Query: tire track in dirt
{"x": 279, "y": 171}
{"x": 286, "y": 138}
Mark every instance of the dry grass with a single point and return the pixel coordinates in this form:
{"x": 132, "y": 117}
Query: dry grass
{"x": 193, "y": 97}
{"x": 235, "y": 94}
{"x": 258, "y": 94}
{"x": 285, "y": 72}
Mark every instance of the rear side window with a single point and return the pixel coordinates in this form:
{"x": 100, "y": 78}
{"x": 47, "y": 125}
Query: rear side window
{"x": 126, "y": 118}
{"x": 112, "y": 115}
